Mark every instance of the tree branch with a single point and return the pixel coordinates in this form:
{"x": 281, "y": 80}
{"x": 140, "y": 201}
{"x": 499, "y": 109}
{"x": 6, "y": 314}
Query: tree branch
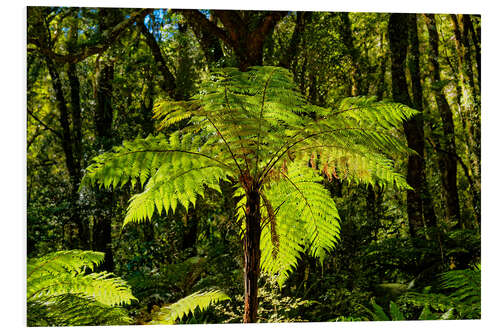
{"x": 168, "y": 83}
{"x": 59, "y": 135}
{"x": 86, "y": 51}
{"x": 196, "y": 18}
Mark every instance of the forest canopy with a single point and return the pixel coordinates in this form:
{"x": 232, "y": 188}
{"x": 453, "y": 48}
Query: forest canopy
{"x": 226, "y": 166}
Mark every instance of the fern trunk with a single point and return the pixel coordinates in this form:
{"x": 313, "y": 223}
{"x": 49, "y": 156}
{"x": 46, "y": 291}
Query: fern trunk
{"x": 251, "y": 246}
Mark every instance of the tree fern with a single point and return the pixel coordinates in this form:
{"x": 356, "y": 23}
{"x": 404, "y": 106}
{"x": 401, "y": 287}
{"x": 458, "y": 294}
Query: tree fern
{"x": 254, "y": 129}
{"x": 199, "y": 300}
{"x": 59, "y": 293}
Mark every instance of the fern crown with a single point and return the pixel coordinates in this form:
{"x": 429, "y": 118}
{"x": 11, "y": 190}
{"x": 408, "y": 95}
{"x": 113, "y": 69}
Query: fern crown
{"x": 254, "y": 129}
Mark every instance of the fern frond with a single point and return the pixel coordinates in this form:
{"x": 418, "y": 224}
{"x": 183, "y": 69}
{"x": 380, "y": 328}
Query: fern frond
{"x": 464, "y": 299}
{"x": 63, "y": 262}
{"x": 57, "y": 286}
{"x": 71, "y": 310}
{"x": 465, "y": 283}
{"x": 183, "y": 307}
{"x": 176, "y": 170}
{"x": 368, "y": 111}
{"x": 307, "y": 220}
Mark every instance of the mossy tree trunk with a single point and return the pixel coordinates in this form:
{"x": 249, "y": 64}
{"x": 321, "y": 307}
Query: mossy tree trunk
{"x": 398, "y": 42}
{"x": 448, "y": 157}
{"x": 429, "y": 213}
{"x": 103, "y": 121}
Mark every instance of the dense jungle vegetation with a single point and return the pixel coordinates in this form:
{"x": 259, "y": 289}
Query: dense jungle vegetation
{"x": 225, "y": 166}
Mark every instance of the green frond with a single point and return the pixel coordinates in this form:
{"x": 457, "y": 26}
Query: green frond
{"x": 172, "y": 112}
{"x": 175, "y": 168}
{"x": 378, "y": 313}
{"x": 183, "y": 307}
{"x": 170, "y": 186}
{"x": 306, "y": 220}
{"x": 57, "y": 286}
{"x": 465, "y": 283}
{"x": 63, "y": 262}
{"x": 464, "y": 299}
{"x": 353, "y": 164}
{"x": 71, "y": 310}
{"x": 367, "y": 111}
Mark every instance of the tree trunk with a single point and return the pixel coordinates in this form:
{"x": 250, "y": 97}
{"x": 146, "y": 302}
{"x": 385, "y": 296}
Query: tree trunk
{"x": 293, "y": 48}
{"x": 245, "y": 34}
{"x": 398, "y": 42}
{"x": 168, "y": 82}
{"x": 448, "y": 161}
{"x": 103, "y": 121}
{"x": 101, "y": 231}
{"x": 469, "y": 26}
{"x": 430, "y": 219}
{"x": 469, "y": 99}
{"x": 251, "y": 247}
{"x": 352, "y": 52}
{"x": 81, "y": 241}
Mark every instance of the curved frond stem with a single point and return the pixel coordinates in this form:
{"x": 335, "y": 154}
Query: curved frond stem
{"x": 301, "y": 194}
{"x": 270, "y": 165}
{"x": 266, "y": 167}
{"x": 336, "y": 113}
{"x": 234, "y": 120}
{"x": 275, "y": 212}
{"x": 174, "y": 151}
{"x": 349, "y": 149}
{"x": 227, "y": 145}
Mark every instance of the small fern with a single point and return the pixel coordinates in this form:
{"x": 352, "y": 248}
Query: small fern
{"x": 59, "y": 293}
{"x": 199, "y": 300}
{"x": 463, "y": 300}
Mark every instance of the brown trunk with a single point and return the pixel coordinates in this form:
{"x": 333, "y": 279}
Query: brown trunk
{"x": 398, "y": 42}
{"x": 469, "y": 101}
{"x": 352, "y": 52}
{"x": 168, "y": 82}
{"x": 294, "y": 46}
{"x": 247, "y": 44}
{"x": 448, "y": 161}
{"x": 251, "y": 247}
{"x": 469, "y": 26}
{"x": 101, "y": 231}
{"x": 71, "y": 164}
{"x": 103, "y": 121}
{"x": 416, "y": 87}
{"x": 381, "y": 86}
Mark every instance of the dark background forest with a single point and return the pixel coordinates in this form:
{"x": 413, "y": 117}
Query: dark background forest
{"x": 95, "y": 74}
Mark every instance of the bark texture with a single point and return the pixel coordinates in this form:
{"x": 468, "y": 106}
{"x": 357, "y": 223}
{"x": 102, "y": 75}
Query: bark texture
{"x": 251, "y": 246}
{"x": 447, "y": 161}
{"x": 398, "y": 42}
{"x": 429, "y": 214}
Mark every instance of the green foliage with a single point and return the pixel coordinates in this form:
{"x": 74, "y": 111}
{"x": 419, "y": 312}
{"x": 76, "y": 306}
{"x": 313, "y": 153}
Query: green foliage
{"x": 463, "y": 300}
{"x": 60, "y": 293}
{"x": 255, "y": 128}
{"x": 396, "y": 313}
{"x": 199, "y": 300}
{"x": 274, "y": 306}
